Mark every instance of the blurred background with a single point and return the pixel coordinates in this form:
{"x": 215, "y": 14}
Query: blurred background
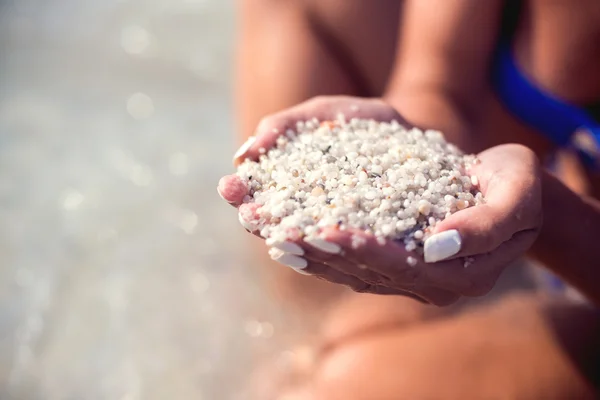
{"x": 122, "y": 274}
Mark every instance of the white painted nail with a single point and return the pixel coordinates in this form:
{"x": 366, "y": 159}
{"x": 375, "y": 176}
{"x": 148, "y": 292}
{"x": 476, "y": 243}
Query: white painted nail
{"x": 442, "y": 246}
{"x": 288, "y": 247}
{"x": 244, "y": 148}
{"x": 246, "y": 224}
{"x": 287, "y": 259}
{"x": 324, "y": 245}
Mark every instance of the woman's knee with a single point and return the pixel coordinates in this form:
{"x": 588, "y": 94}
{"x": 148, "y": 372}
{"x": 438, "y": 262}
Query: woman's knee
{"x": 506, "y": 350}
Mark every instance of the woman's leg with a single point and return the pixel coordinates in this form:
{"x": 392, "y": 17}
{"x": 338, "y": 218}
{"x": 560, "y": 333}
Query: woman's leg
{"x": 291, "y": 51}
{"x": 519, "y": 348}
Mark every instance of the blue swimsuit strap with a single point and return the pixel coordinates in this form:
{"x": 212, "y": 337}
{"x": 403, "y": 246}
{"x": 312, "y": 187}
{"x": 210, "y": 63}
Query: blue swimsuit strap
{"x": 549, "y": 115}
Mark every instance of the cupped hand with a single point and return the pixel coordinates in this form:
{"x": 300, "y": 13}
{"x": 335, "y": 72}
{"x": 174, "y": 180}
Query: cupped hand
{"x": 467, "y": 251}
{"x": 323, "y": 108}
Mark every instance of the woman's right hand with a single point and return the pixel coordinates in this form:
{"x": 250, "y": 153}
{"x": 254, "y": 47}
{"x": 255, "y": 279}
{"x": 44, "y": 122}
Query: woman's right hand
{"x": 487, "y": 237}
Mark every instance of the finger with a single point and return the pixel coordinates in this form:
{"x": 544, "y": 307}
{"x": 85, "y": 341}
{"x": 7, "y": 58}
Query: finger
{"x": 329, "y": 274}
{"x": 325, "y": 272}
{"x": 307, "y": 267}
{"x": 485, "y": 269}
{"x": 513, "y": 195}
{"x": 232, "y": 189}
{"x": 477, "y": 275}
{"x": 329, "y": 253}
{"x": 377, "y": 283}
{"x": 440, "y": 287}
{"x": 323, "y": 108}
{"x": 390, "y": 259}
{"x": 332, "y": 275}
{"x": 451, "y": 276}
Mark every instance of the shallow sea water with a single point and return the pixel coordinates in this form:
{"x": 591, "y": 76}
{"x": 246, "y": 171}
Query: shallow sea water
{"x": 122, "y": 274}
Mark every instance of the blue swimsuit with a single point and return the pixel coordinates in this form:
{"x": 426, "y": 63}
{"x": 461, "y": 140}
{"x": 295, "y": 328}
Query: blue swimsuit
{"x": 552, "y": 117}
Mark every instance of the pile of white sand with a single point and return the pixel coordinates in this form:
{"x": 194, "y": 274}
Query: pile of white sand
{"x": 383, "y": 178}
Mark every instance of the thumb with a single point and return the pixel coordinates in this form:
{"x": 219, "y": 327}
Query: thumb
{"x": 513, "y": 204}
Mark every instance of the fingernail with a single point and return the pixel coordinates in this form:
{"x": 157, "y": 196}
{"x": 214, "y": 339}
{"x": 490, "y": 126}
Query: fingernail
{"x": 232, "y": 188}
{"x": 247, "y": 225}
{"x": 442, "y": 246}
{"x": 287, "y": 259}
{"x": 324, "y": 245}
{"x": 244, "y": 148}
{"x": 287, "y": 247}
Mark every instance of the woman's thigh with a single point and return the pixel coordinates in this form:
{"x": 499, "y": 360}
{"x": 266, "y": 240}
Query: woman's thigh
{"x": 515, "y": 349}
{"x": 291, "y": 51}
